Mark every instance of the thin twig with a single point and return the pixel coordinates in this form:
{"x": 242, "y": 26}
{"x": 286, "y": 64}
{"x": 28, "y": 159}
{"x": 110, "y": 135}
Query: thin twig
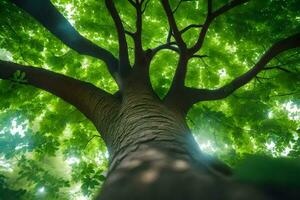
{"x": 91, "y": 140}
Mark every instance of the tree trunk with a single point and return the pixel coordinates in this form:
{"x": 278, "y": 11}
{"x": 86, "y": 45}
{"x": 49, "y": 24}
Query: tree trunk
{"x": 154, "y": 156}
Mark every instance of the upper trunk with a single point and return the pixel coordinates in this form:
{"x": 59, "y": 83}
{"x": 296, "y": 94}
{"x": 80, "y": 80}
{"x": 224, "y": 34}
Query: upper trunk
{"x": 154, "y": 155}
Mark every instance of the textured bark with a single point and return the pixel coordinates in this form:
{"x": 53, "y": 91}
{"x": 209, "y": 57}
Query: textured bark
{"x": 154, "y": 156}
{"x": 96, "y": 104}
{"x": 155, "y": 172}
{"x": 153, "y": 153}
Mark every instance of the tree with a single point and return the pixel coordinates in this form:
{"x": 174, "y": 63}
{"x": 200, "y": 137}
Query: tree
{"x": 144, "y": 123}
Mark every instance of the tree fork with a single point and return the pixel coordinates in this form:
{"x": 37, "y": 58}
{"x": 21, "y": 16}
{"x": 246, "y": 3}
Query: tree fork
{"x": 196, "y": 95}
{"x": 124, "y": 65}
{"x": 149, "y": 141}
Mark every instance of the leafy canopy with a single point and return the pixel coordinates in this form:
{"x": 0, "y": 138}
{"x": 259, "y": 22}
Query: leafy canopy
{"x": 50, "y": 150}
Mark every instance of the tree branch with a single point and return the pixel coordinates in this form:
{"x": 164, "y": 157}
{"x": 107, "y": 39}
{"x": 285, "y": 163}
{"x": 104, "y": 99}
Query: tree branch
{"x": 211, "y": 15}
{"x": 169, "y": 36}
{"x": 173, "y": 25}
{"x": 137, "y": 35}
{"x": 46, "y": 14}
{"x": 196, "y": 95}
{"x": 91, "y": 140}
{"x": 145, "y": 6}
{"x": 200, "y": 56}
{"x": 190, "y": 27}
{"x": 177, "y": 89}
{"x": 129, "y": 33}
{"x": 285, "y": 94}
{"x": 232, "y": 4}
{"x": 277, "y": 67}
{"x": 209, "y": 7}
{"x": 174, "y": 11}
{"x": 86, "y": 97}
{"x": 165, "y": 46}
{"x": 124, "y": 66}
{"x": 180, "y": 74}
{"x": 132, "y": 3}
{"x": 139, "y": 26}
{"x": 174, "y": 98}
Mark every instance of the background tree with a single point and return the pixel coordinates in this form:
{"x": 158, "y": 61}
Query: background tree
{"x": 161, "y": 66}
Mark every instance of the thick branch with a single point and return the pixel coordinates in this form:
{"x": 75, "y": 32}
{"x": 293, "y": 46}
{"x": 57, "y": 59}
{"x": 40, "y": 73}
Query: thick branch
{"x": 195, "y": 95}
{"x": 209, "y": 7}
{"x": 139, "y": 26}
{"x": 180, "y": 74}
{"x": 178, "y": 80}
{"x": 45, "y": 13}
{"x": 84, "y": 96}
{"x": 174, "y": 98}
{"x": 173, "y": 25}
{"x": 137, "y": 36}
{"x": 123, "y": 48}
